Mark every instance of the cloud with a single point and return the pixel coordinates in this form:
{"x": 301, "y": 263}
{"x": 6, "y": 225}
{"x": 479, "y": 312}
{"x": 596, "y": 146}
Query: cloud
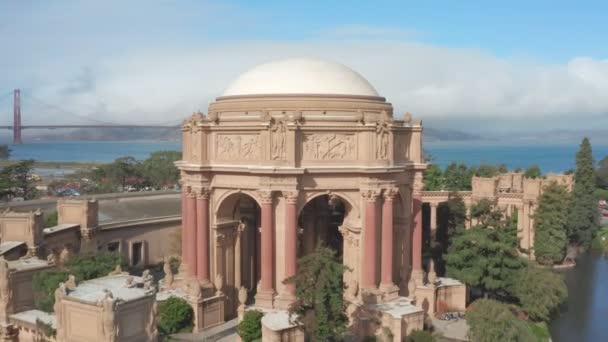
{"x": 134, "y": 75}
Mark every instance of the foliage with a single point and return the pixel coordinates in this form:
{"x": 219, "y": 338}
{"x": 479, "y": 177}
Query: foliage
{"x": 600, "y": 241}
{"x": 451, "y": 217}
{"x": 250, "y": 328}
{"x": 175, "y": 315}
{"x": 86, "y": 267}
{"x": 600, "y": 194}
{"x": 583, "y": 217}
{"x": 486, "y": 170}
{"x": 51, "y": 220}
{"x": 457, "y": 177}
{"x": 420, "y": 336}
{"x": 319, "y": 305}
{"x": 490, "y": 321}
{"x": 533, "y": 172}
{"x": 5, "y": 152}
{"x": 540, "y": 292}
{"x": 46, "y": 329}
{"x": 16, "y": 180}
{"x": 159, "y": 169}
{"x": 433, "y": 178}
{"x": 550, "y": 225}
{"x": 540, "y": 331}
{"x": 44, "y": 285}
{"x": 486, "y": 255}
{"x": 602, "y": 173}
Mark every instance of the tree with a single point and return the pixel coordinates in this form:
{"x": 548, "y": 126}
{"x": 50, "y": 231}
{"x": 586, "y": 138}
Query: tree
{"x": 16, "y": 180}
{"x": 550, "y": 225}
{"x": 159, "y": 169}
{"x": 123, "y": 171}
{"x": 5, "y": 152}
{"x": 533, "y": 172}
{"x": 433, "y": 178}
{"x": 86, "y": 267}
{"x": 319, "y": 305}
{"x": 486, "y": 256}
{"x": 540, "y": 292}
{"x": 175, "y": 315}
{"x": 602, "y": 173}
{"x": 583, "y": 217}
{"x": 486, "y": 170}
{"x": 420, "y": 336}
{"x": 250, "y": 328}
{"x": 457, "y": 177}
{"x": 490, "y": 321}
{"x": 51, "y": 220}
{"x": 44, "y": 285}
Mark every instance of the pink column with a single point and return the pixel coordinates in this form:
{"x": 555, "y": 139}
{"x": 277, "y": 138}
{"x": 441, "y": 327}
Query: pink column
{"x": 291, "y": 237}
{"x": 267, "y": 244}
{"x": 387, "y": 238}
{"x": 184, "y": 229}
{"x": 191, "y": 233}
{"x": 417, "y": 233}
{"x": 370, "y": 240}
{"x": 202, "y": 236}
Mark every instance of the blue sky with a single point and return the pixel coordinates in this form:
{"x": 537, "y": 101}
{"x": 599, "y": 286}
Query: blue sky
{"x": 467, "y": 65}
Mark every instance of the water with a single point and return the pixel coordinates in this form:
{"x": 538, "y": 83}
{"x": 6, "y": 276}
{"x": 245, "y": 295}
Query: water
{"x": 551, "y": 158}
{"x": 587, "y": 308}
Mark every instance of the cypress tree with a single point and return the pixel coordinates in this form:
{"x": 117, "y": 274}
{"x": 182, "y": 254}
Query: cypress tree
{"x": 583, "y": 217}
{"x": 550, "y": 222}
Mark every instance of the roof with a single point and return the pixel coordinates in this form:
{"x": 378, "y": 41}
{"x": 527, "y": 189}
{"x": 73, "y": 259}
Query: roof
{"x": 301, "y": 76}
{"x": 27, "y": 263}
{"x": 31, "y": 316}
{"x": 93, "y": 290}
{"x": 6, "y": 246}
{"x": 134, "y": 208}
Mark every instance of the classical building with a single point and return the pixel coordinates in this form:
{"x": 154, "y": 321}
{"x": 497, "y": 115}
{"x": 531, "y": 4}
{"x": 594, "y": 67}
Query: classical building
{"x": 295, "y": 154}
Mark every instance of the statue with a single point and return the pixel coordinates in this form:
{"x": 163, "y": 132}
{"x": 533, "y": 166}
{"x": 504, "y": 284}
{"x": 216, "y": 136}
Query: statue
{"x": 108, "y": 306}
{"x": 408, "y": 118}
{"x": 432, "y": 276}
{"x": 382, "y": 140}
{"x": 411, "y": 287}
{"x": 219, "y": 284}
{"x": 242, "y": 302}
{"x": 65, "y": 256}
{"x": 117, "y": 271}
{"x": 278, "y": 140}
{"x": 194, "y": 290}
{"x": 148, "y": 279}
{"x": 51, "y": 259}
{"x": 71, "y": 283}
{"x": 130, "y": 282}
{"x": 60, "y": 292}
{"x": 168, "y": 280}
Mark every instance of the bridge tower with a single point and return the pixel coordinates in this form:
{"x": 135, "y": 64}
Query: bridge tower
{"x": 17, "y": 117}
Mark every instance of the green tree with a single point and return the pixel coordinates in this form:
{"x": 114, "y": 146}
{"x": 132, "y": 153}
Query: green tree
{"x": 602, "y": 173}
{"x": 491, "y": 321}
{"x": 319, "y": 305}
{"x": 533, "y": 172}
{"x": 86, "y": 267}
{"x": 457, "y": 177}
{"x": 433, "y": 178}
{"x": 420, "y": 336}
{"x": 5, "y": 152}
{"x": 540, "y": 292}
{"x": 250, "y": 328}
{"x": 16, "y": 180}
{"x": 44, "y": 285}
{"x": 486, "y": 256}
{"x": 550, "y": 225}
{"x": 175, "y": 315}
{"x": 487, "y": 170}
{"x": 122, "y": 172}
{"x": 159, "y": 169}
{"x": 583, "y": 217}
{"x": 51, "y": 220}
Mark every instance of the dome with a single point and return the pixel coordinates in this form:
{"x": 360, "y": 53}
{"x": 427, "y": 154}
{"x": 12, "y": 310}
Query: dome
{"x": 301, "y": 76}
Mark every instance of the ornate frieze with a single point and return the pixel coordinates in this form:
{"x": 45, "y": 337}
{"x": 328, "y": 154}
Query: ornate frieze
{"x": 329, "y": 146}
{"x": 370, "y": 195}
{"x": 390, "y": 193}
{"x": 237, "y": 147}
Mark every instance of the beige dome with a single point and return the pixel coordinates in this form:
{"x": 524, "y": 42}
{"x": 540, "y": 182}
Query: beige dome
{"x": 301, "y": 76}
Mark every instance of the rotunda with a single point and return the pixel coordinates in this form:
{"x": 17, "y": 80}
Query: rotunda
{"x": 295, "y": 154}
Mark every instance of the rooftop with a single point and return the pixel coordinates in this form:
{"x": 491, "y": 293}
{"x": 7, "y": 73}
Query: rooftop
{"x": 94, "y": 290}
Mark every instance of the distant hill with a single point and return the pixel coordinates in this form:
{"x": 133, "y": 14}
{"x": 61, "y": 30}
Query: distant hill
{"x": 431, "y": 134}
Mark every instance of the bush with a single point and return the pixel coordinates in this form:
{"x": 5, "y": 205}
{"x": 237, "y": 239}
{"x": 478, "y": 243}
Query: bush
{"x": 45, "y": 328}
{"x": 94, "y": 266}
{"x": 175, "y": 315}
{"x": 250, "y": 328}
{"x": 51, "y": 220}
{"x": 490, "y": 321}
{"x": 420, "y": 336}
{"x": 540, "y": 292}
{"x": 44, "y": 285}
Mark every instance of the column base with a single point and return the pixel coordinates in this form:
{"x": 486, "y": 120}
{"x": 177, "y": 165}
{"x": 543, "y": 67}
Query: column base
{"x": 265, "y": 299}
{"x": 371, "y": 295}
{"x": 284, "y": 300}
{"x": 418, "y": 275}
{"x": 389, "y": 291}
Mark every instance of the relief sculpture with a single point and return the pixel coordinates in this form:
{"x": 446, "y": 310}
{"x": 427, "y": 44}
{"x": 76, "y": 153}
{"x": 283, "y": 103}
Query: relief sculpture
{"x": 382, "y": 140}
{"x": 237, "y": 147}
{"x": 278, "y": 140}
{"x": 330, "y": 146}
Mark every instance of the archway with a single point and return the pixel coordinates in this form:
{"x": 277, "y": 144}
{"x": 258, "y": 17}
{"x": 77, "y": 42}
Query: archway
{"x": 238, "y": 249}
{"x": 321, "y": 220}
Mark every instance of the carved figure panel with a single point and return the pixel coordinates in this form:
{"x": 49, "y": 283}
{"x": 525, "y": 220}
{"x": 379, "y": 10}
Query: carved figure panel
{"x": 279, "y": 130}
{"x": 237, "y": 147}
{"x": 329, "y": 146}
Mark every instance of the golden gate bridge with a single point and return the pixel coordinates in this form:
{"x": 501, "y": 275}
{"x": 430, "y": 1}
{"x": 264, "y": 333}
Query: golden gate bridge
{"x": 17, "y": 127}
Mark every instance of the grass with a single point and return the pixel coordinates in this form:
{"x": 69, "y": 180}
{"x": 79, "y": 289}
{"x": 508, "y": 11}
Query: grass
{"x": 540, "y": 330}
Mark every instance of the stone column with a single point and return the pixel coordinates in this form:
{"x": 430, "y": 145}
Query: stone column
{"x": 184, "y": 232}
{"x": 370, "y": 242}
{"x": 191, "y": 233}
{"x": 291, "y": 241}
{"x": 387, "y": 286}
{"x": 433, "y": 218}
{"x": 417, "y": 235}
{"x": 266, "y": 292}
{"x": 520, "y": 226}
{"x": 238, "y": 259}
{"x": 202, "y": 236}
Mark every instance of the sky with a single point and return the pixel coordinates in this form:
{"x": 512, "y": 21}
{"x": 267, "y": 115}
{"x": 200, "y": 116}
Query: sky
{"x": 473, "y": 66}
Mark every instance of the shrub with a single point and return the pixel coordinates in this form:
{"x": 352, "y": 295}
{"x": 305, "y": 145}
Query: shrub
{"x": 86, "y": 267}
{"x": 250, "y": 328}
{"x": 51, "y": 220}
{"x": 175, "y": 315}
{"x": 44, "y": 285}
{"x": 540, "y": 292}
{"x": 490, "y": 321}
{"x": 45, "y": 328}
{"x": 420, "y": 336}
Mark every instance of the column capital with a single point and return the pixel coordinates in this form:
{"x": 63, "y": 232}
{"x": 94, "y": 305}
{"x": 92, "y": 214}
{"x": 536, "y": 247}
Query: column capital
{"x": 266, "y": 196}
{"x": 291, "y": 197}
{"x": 391, "y": 193}
{"x": 190, "y": 191}
{"x": 433, "y": 204}
{"x": 370, "y": 195}
{"x": 203, "y": 193}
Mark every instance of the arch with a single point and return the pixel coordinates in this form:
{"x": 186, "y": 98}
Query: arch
{"x": 352, "y": 210}
{"x": 229, "y": 200}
